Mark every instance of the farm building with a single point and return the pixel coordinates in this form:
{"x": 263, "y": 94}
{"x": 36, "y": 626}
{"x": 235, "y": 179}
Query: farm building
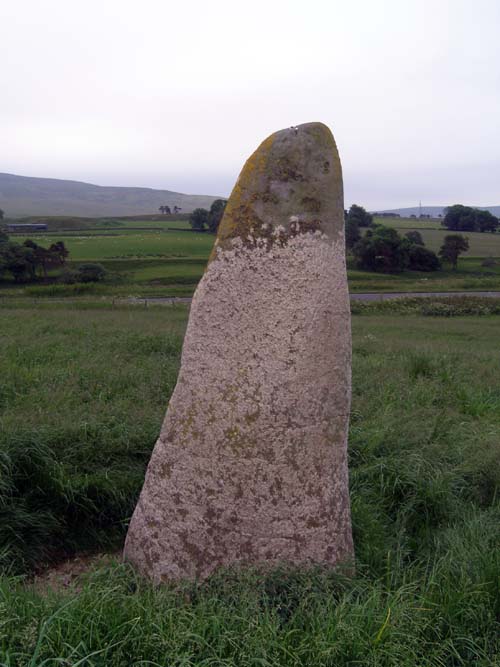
{"x": 27, "y": 227}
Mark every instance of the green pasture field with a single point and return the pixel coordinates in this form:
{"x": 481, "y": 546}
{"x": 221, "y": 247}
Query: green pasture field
{"x": 408, "y": 223}
{"x": 480, "y": 244}
{"x": 471, "y": 275}
{"x": 63, "y": 224}
{"x": 170, "y": 263}
{"x": 83, "y": 391}
{"x": 125, "y": 244}
{"x": 433, "y": 233}
{"x": 161, "y": 223}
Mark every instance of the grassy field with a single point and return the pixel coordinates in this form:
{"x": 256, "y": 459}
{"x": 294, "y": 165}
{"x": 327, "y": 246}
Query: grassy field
{"x": 405, "y": 224}
{"x": 82, "y": 394}
{"x": 109, "y": 245}
{"x": 471, "y": 275}
{"x": 433, "y": 233}
{"x": 480, "y": 245}
{"x": 164, "y": 261}
{"x": 161, "y": 223}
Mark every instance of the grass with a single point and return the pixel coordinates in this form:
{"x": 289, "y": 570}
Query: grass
{"x": 433, "y": 233}
{"x": 83, "y": 393}
{"x": 406, "y": 224}
{"x": 164, "y": 261}
{"x": 470, "y": 275}
{"x": 132, "y": 244}
{"x": 480, "y": 245}
{"x": 73, "y": 452}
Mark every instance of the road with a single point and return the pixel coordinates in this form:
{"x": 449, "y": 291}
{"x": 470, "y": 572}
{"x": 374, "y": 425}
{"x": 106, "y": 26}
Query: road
{"x": 361, "y": 296}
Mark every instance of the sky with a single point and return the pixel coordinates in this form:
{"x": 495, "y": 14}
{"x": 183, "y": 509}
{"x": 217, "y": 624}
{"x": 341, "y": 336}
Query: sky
{"x": 176, "y": 95}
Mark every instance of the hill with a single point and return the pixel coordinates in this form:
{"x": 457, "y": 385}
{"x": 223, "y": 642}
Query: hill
{"x": 22, "y": 196}
{"x": 433, "y": 211}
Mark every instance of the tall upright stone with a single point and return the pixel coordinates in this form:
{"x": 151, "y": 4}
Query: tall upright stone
{"x": 250, "y": 466}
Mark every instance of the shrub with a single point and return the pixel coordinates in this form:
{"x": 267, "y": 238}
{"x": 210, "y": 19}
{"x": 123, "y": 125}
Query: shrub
{"x": 91, "y": 273}
{"x": 69, "y": 277}
{"x": 422, "y": 259}
{"x": 198, "y": 219}
{"x": 360, "y": 216}
{"x": 415, "y": 237}
{"x": 381, "y": 250}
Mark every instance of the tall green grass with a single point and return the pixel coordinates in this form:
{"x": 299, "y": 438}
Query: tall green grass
{"x": 83, "y": 395}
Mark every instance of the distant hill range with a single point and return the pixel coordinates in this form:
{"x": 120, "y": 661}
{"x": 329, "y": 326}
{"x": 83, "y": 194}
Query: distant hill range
{"x": 433, "y": 211}
{"x": 22, "y": 196}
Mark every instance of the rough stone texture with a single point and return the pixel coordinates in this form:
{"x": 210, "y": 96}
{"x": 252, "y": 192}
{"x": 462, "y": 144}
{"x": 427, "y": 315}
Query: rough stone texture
{"x": 250, "y": 466}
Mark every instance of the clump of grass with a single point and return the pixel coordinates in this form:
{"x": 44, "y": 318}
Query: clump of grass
{"x": 72, "y": 451}
{"x": 449, "y": 306}
{"x": 58, "y": 290}
{"x": 286, "y": 617}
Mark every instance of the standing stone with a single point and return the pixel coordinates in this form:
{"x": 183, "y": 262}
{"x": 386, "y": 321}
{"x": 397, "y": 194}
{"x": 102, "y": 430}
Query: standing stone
{"x": 251, "y": 463}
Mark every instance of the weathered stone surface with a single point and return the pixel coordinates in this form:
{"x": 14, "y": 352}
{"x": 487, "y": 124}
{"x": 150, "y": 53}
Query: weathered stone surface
{"x": 250, "y": 466}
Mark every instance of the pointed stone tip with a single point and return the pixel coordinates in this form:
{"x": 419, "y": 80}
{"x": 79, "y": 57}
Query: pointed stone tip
{"x": 314, "y": 127}
{"x": 314, "y": 132}
{"x": 294, "y": 175}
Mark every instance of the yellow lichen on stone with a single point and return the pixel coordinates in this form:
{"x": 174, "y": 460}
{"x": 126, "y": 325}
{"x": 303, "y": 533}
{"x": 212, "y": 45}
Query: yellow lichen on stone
{"x": 286, "y": 180}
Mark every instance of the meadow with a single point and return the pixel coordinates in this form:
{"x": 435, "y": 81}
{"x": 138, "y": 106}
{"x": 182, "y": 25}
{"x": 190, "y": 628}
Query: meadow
{"x": 83, "y": 390}
{"x": 409, "y": 223}
{"x": 163, "y": 257}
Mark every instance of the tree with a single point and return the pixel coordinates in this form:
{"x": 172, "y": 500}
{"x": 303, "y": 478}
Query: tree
{"x": 486, "y": 221}
{"x": 468, "y": 219}
{"x": 453, "y": 246}
{"x": 360, "y": 216}
{"x": 90, "y": 272}
{"x": 2, "y": 213}
{"x": 198, "y": 219}
{"x": 3, "y": 236}
{"x": 415, "y": 237}
{"x": 352, "y": 234}
{"x": 177, "y": 209}
{"x": 381, "y": 250}
{"x": 422, "y": 259}
{"x": 18, "y": 260}
{"x": 23, "y": 261}
{"x": 165, "y": 210}
{"x": 215, "y": 215}
{"x": 459, "y": 218}
{"x": 41, "y": 257}
{"x": 60, "y": 251}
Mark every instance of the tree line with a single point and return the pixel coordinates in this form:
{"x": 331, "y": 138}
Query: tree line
{"x": 29, "y": 261}
{"x": 461, "y": 218}
{"x": 166, "y": 210}
{"x": 382, "y": 249}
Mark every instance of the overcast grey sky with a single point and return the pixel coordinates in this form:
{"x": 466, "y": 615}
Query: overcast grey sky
{"x": 176, "y": 95}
